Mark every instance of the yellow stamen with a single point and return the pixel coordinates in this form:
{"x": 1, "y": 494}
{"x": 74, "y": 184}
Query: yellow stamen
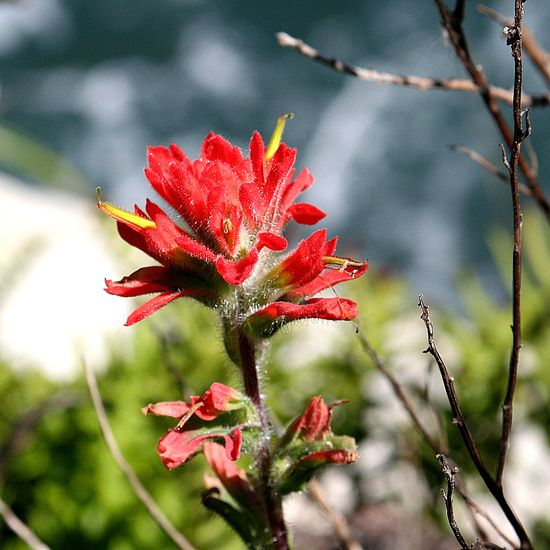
{"x": 343, "y": 263}
{"x": 123, "y": 216}
{"x": 275, "y": 140}
{"x": 227, "y": 226}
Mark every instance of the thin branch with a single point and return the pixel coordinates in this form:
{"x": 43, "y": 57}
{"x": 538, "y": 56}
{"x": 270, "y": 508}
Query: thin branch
{"x": 515, "y": 40}
{"x": 139, "y": 490}
{"x": 339, "y": 524}
{"x": 457, "y": 38}
{"x": 538, "y": 55}
{"x": 398, "y": 391}
{"x": 488, "y": 167}
{"x": 458, "y": 419}
{"x": 437, "y": 447}
{"x": 419, "y": 82}
{"x": 20, "y": 529}
{"x": 450, "y": 474}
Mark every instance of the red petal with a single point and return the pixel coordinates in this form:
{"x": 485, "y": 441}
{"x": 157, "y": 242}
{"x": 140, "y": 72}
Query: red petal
{"x": 216, "y": 147}
{"x": 332, "y": 309}
{"x": 315, "y": 422}
{"x": 233, "y": 444}
{"x": 217, "y": 400}
{"x": 194, "y": 248}
{"x": 143, "y": 281}
{"x": 305, "y": 213}
{"x": 327, "y": 279}
{"x": 154, "y": 304}
{"x": 234, "y": 272}
{"x": 175, "y": 447}
{"x": 280, "y": 167}
{"x": 174, "y": 409}
{"x": 334, "y": 456}
{"x": 271, "y": 241}
{"x": 233, "y": 478}
{"x": 305, "y": 263}
{"x": 257, "y": 159}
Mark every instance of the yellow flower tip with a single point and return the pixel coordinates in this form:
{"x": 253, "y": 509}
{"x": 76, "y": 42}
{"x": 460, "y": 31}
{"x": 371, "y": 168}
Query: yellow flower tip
{"x": 122, "y": 215}
{"x": 275, "y": 140}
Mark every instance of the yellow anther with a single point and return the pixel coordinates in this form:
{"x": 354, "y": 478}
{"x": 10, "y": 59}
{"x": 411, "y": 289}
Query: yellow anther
{"x": 275, "y": 140}
{"x": 123, "y": 216}
{"x": 227, "y": 226}
{"x": 342, "y": 263}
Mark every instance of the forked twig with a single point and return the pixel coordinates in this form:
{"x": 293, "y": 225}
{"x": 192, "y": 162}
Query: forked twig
{"x": 22, "y": 530}
{"x": 450, "y": 474}
{"x": 437, "y": 447}
{"x": 488, "y": 167}
{"x": 458, "y": 419}
{"x": 453, "y": 28}
{"x": 139, "y": 490}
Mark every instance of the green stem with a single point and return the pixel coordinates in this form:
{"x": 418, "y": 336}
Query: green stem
{"x": 272, "y": 502}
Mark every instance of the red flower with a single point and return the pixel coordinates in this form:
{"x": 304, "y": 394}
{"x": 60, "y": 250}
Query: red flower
{"x": 177, "y": 447}
{"x": 214, "y": 402}
{"x": 311, "y": 444}
{"x": 234, "y": 208}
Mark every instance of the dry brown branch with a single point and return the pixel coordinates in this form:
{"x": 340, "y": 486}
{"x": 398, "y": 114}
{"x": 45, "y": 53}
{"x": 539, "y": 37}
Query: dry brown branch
{"x": 437, "y": 447}
{"x": 489, "y": 167}
{"x": 460, "y": 422}
{"x": 515, "y": 40}
{"x": 453, "y": 28}
{"x": 419, "y": 82}
{"x": 538, "y": 55}
{"x": 139, "y": 490}
{"x": 339, "y": 524}
{"x": 20, "y": 529}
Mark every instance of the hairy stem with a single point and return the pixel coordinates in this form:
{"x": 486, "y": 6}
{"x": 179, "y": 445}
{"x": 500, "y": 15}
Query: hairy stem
{"x": 272, "y": 502}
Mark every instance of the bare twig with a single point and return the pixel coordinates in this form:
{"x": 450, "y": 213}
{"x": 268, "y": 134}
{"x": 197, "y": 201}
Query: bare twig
{"x": 437, "y": 447}
{"x": 398, "y": 391}
{"x": 515, "y": 40}
{"x": 453, "y": 27}
{"x": 489, "y": 167}
{"x": 450, "y": 474}
{"x": 538, "y": 55}
{"x": 20, "y": 529}
{"x": 422, "y": 83}
{"x": 458, "y": 419}
{"x": 338, "y": 522}
{"x": 139, "y": 490}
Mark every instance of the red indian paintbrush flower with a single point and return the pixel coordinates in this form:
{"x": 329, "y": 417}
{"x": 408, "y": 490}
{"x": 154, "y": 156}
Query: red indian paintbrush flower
{"x": 233, "y": 211}
{"x": 182, "y": 443}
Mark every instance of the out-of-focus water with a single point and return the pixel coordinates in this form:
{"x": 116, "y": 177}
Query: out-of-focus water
{"x": 99, "y": 81}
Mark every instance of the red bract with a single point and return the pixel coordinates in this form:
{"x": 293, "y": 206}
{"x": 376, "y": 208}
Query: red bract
{"x": 234, "y": 479}
{"x": 234, "y": 209}
{"x": 215, "y": 401}
{"x": 177, "y": 447}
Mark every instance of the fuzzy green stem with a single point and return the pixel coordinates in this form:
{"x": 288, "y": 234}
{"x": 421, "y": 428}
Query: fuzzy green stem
{"x": 272, "y": 502}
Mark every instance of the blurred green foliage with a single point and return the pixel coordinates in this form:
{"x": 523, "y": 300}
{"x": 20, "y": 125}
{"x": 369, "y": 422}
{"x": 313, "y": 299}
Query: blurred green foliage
{"x": 57, "y": 474}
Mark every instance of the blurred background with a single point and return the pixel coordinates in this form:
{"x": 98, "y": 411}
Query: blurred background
{"x": 86, "y": 86}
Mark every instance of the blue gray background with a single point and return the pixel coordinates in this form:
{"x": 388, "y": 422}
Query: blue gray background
{"x": 99, "y": 81}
